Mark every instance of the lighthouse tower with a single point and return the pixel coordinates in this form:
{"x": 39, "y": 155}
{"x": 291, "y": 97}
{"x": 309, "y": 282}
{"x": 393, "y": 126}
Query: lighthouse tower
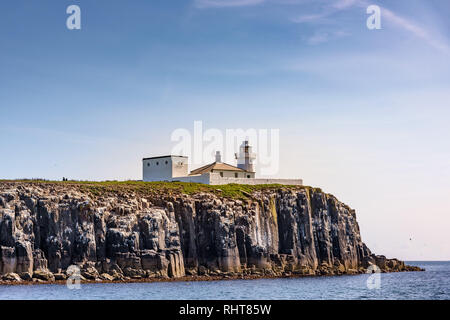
{"x": 245, "y": 157}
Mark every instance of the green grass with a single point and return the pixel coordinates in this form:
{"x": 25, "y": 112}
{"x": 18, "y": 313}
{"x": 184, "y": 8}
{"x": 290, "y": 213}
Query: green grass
{"x": 98, "y": 188}
{"x": 103, "y": 188}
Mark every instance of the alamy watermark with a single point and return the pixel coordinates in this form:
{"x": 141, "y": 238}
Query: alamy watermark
{"x": 201, "y": 145}
{"x": 73, "y": 282}
{"x": 374, "y": 280}
{"x": 374, "y": 20}
{"x": 73, "y": 22}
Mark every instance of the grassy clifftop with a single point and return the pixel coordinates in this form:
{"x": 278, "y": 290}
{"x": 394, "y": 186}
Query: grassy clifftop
{"x": 235, "y": 191}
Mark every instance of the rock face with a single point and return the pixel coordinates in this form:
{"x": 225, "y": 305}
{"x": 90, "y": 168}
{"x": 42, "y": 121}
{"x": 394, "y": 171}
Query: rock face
{"x": 120, "y": 235}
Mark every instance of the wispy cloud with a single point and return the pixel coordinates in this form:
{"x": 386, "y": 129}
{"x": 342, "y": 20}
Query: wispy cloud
{"x": 318, "y": 37}
{"x": 311, "y": 17}
{"x": 324, "y": 36}
{"x": 418, "y": 31}
{"x": 328, "y": 10}
{"x": 331, "y": 8}
{"x": 243, "y": 3}
{"x": 226, "y": 3}
{"x": 343, "y": 4}
{"x": 387, "y": 15}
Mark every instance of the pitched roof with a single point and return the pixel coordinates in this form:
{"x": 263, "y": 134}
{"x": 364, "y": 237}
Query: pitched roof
{"x": 216, "y": 166}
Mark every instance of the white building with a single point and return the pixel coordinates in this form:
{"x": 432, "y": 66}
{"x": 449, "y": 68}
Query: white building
{"x": 164, "y": 168}
{"x": 175, "y": 168}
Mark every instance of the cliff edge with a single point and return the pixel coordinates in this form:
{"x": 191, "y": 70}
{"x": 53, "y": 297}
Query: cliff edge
{"x": 143, "y": 231}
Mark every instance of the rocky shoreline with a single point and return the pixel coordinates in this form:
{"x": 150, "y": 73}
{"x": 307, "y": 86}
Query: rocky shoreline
{"x": 143, "y": 232}
{"x": 102, "y": 280}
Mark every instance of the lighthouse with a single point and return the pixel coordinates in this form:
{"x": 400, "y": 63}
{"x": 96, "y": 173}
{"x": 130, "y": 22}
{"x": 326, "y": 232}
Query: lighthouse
{"x": 173, "y": 168}
{"x": 245, "y": 157}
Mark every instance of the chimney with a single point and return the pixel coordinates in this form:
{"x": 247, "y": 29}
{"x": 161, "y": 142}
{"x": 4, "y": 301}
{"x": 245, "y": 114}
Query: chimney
{"x": 218, "y": 157}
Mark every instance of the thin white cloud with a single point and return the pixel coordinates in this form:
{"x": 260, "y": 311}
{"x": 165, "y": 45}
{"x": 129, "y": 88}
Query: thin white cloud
{"x": 416, "y": 30}
{"x": 405, "y": 24}
{"x": 242, "y": 3}
{"x": 323, "y": 36}
{"x": 343, "y": 4}
{"x": 311, "y": 17}
{"x": 202, "y": 4}
{"x": 318, "y": 38}
{"x": 329, "y": 9}
{"x": 336, "y": 6}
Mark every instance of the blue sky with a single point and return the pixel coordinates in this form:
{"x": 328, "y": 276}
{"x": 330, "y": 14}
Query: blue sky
{"x": 362, "y": 113}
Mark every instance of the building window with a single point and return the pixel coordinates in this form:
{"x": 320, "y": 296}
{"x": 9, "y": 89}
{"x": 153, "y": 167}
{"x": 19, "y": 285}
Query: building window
{"x": 221, "y": 174}
{"x": 167, "y": 162}
{"x": 248, "y": 176}
{"x": 235, "y": 174}
{"x": 157, "y": 163}
{"x": 148, "y": 164}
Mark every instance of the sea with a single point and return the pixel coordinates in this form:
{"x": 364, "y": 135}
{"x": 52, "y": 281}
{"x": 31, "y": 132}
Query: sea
{"x": 433, "y": 284}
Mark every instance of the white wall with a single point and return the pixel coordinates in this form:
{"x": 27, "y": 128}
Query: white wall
{"x": 203, "y": 178}
{"x": 179, "y": 166}
{"x": 216, "y": 179}
{"x": 231, "y": 174}
{"x": 175, "y": 168}
{"x": 164, "y": 168}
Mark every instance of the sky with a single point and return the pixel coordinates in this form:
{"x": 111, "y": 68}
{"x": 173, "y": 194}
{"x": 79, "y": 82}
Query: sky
{"x": 363, "y": 114}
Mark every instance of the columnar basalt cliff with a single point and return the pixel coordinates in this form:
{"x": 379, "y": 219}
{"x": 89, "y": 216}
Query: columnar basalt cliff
{"x": 126, "y": 234}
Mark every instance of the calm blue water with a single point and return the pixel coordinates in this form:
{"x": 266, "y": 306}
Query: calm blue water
{"x": 432, "y": 284}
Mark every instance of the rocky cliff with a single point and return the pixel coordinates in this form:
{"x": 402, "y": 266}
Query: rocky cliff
{"x": 127, "y": 232}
